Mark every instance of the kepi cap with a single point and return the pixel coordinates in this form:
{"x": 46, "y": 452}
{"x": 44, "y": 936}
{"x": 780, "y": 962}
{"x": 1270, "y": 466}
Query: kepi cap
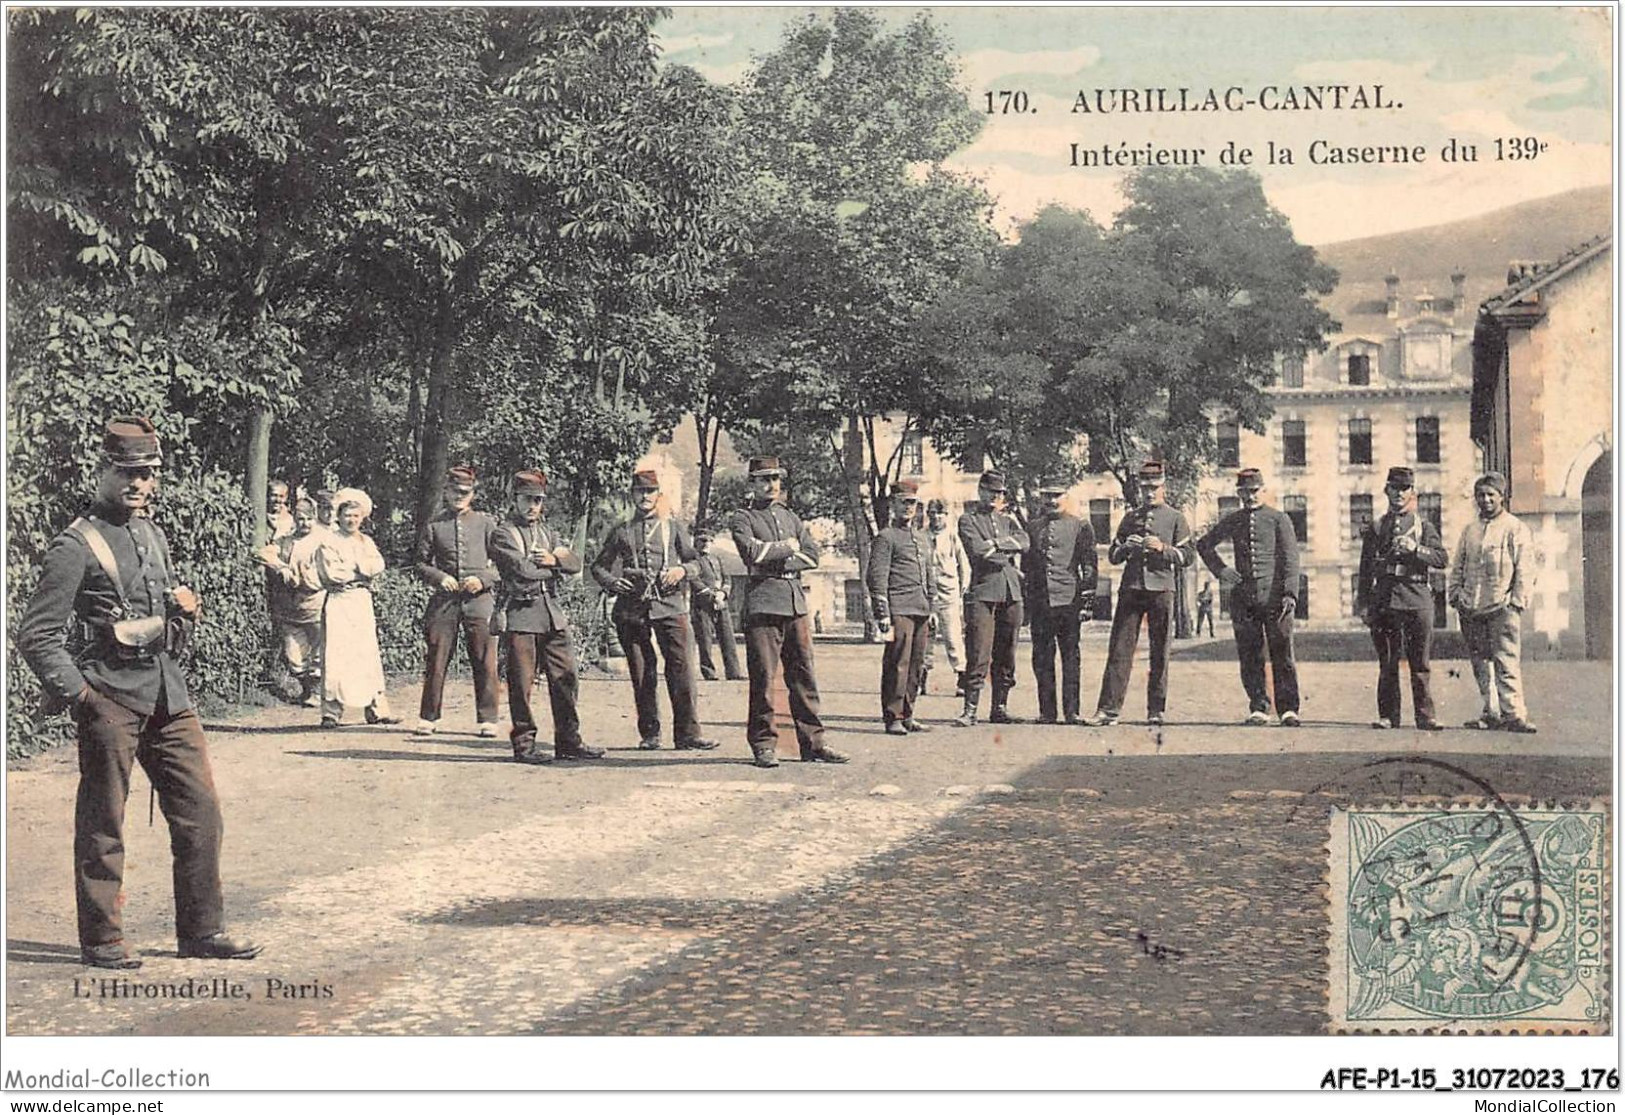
{"x": 529, "y": 482}
{"x": 907, "y": 490}
{"x": 460, "y": 475}
{"x": 1249, "y": 478}
{"x": 765, "y": 466}
{"x": 1401, "y": 477}
{"x": 132, "y": 442}
{"x": 1151, "y": 471}
{"x": 992, "y": 481}
{"x": 646, "y": 478}
{"x": 1053, "y": 487}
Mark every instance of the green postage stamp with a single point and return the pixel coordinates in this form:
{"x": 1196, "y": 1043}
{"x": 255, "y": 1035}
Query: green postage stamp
{"x": 1476, "y": 918}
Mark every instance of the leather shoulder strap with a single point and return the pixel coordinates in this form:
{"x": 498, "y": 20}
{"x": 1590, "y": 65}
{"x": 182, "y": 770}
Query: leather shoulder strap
{"x": 92, "y": 537}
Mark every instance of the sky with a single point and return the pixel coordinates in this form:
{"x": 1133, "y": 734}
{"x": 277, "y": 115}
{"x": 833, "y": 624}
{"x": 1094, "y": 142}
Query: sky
{"x": 1473, "y": 74}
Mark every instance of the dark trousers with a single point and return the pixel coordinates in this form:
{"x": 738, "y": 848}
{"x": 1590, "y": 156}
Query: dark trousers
{"x": 638, "y": 637}
{"x": 901, "y": 665}
{"x": 1056, "y": 629}
{"x": 1157, "y": 610}
{"x": 1409, "y": 634}
{"x": 557, "y": 658}
{"x": 1204, "y": 612}
{"x": 770, "y": 641}
{"x": 716, "y": 625}
{"x": 172, "y": 751}
{"x": 440, "y": 624}
{"x": 1257, "y": 626}
{"x": 990, "y": 647}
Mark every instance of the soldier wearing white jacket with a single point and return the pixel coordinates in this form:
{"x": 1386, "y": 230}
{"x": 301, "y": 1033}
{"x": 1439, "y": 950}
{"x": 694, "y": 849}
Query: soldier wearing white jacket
{"x": 1490, "y": 583}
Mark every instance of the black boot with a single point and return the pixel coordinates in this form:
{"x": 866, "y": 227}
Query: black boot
{"x": 1001, "y": 715}
{"x": 967, "y": 718}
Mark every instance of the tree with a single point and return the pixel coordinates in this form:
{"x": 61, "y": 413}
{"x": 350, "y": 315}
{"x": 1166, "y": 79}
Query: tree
{"x": 854, "y": 228}
{"x": 1133, "y": 337}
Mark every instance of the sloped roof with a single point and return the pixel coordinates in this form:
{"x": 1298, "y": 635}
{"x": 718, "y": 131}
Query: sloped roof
{"x": 1533, "y": 278}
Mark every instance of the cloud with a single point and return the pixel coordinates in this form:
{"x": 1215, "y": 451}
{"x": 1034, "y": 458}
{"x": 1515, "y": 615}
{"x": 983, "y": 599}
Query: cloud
{"x": 983, "y": 68}
{"x": 679, "y": 44}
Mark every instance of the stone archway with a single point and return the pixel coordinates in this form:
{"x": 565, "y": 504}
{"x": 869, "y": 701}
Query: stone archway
{"x": 1596, "y": 555}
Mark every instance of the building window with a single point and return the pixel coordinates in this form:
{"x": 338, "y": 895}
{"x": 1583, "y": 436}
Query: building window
{"x": 856, "y": 600}
{"x": 1292, "y": 371}
{"x": 1294, "y": 451}
{"x": 1359, "y": 369}
{"x": 1100, "y": 519}
{"x": 1297, "y": 509}
{"x": 913, "y": 454}
{"x": 1430, "y": 505}
{"x": 1427, "y": 441}
{"x": 1097, "y": 454}
{"x": 1229, "y": 438}
{"x": 1359, "y": 513}
{"x": 1303, "y": 597}
{"x": 1359, "y": 441}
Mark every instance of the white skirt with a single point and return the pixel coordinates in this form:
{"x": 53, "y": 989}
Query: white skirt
{"x": 352, "y": 667}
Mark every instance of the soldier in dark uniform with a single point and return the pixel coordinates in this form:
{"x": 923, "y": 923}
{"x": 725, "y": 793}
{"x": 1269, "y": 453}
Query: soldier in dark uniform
{"x": 1061, "y": 569}
{"x": 111, "y": 572}
{"x": 533, "y": 560}
{"x": 994, "y": 542}
{"x": 713, "y": 617}
{"x": 902, "y": 586}
{"x": 776, "y": 547}
{"x": 648, "y": 564}
{"x": 1155, "y": 542}
{"x": 454, "y": 559}
{"x": 1263, "y": 587}
{"x": 1395, "y": 600}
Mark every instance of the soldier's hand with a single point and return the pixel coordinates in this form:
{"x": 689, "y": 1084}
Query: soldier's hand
{"x": 622, "y": 587}
{"x": 1153, "y": 544}
{"x": 545, "y": 559}
{"x": 673, "y": 575}
{"x": 289, "y": 577}
{"x": 448, "y": 583}
{"x": 1404, "y": 544}
{"x": 185, "y": 600}
{"x": 1229, "y": 577}
{"x": 471, "y": 585}
{"x": 1289, "y": 607}
{"x": 931, "y": 625}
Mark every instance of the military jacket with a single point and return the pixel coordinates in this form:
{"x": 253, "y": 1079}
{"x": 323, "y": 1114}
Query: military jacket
{"x": 1264, "y": 546}
{"x": 459, "y": 545}
{"x": 530, "y": 596}
{"x": 1393, "y": 581}
{"x": 641, "y": 550}
{"x": 74, "y": 586}
{"x": 1151, "y": 571}
{"x": 994, "y": 543}
{"x": 1061, "y": 565}
{"x": 902, "y": 573}
{"x": 763, "y": 536}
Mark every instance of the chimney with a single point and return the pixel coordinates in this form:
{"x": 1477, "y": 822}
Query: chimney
{"x": 1393, "y": 294}
{"x": 1458, "y": 293}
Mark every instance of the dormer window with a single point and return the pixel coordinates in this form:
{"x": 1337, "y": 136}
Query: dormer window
{"x": 1359, "y": 369}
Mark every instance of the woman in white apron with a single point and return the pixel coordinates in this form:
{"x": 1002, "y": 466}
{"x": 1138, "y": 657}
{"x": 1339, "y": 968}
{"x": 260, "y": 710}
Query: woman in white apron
{"x": 353, "y": 668}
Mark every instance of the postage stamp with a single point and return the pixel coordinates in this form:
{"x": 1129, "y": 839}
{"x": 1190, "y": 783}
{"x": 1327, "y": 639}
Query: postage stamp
{"x": 1473, "y": 918}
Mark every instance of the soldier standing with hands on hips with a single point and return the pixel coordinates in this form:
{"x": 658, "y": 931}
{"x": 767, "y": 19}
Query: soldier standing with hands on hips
{"x": 648, "y": 564}
{"x": 454, "y": 558}
{"x": 994, "y": 542}
{"x": 1154, "y": 542}
{"x": 1263, "y": 587}
{"x": 902, "y": 584}
{"x": 1395, "y": 600}
{"x": 533, "y": 560}
{"x": 776, "y": 547}
{"x": 110, "y": 571}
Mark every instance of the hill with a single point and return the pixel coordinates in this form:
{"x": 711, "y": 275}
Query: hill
{"x": 1482, "y": 246}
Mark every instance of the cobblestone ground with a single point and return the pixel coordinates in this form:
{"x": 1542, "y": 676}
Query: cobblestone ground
{"x": 1025, "y": 879}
